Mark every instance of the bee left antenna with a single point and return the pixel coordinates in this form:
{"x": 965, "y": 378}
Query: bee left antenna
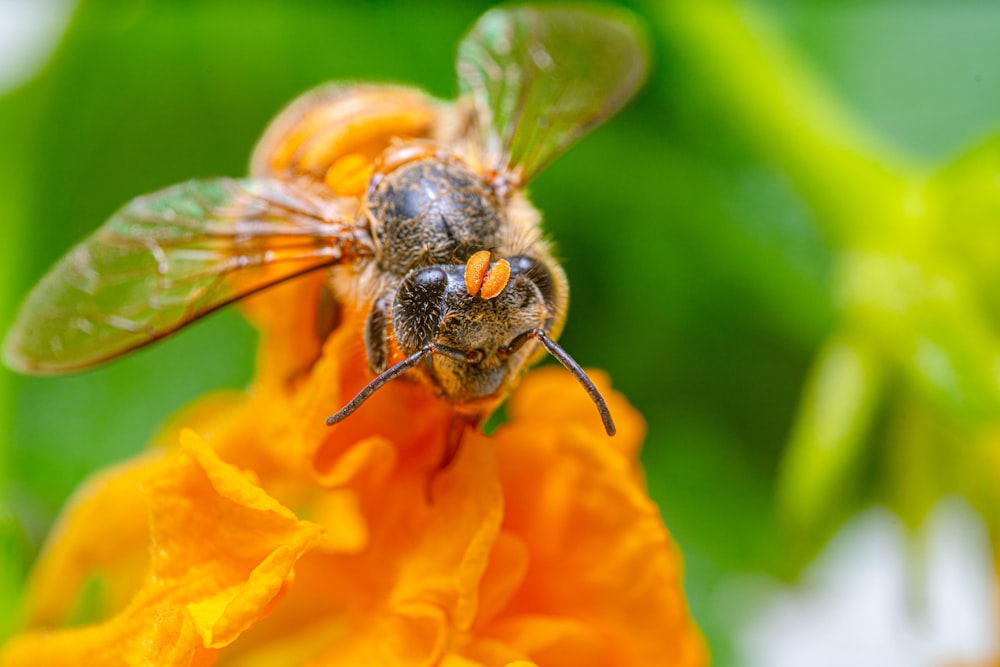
{"x": 394, "y": 371}
{"x": 380, "y": 381}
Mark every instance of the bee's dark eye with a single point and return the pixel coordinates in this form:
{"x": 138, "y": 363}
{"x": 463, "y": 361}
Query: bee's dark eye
{"x": 416, "y": 314}
{"x": 430, "y": 278}
{"x": 536, "y": 272}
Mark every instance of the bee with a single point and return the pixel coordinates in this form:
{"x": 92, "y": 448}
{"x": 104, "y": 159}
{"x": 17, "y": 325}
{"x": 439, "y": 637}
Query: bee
{"x": 415, "y": 208}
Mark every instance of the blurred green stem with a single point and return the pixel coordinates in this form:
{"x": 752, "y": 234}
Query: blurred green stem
{"x": 871, "y": 201}
{"x": 912, "y": 470}
{"x": 826, "y": 441}
{"x": 858, "y": 185}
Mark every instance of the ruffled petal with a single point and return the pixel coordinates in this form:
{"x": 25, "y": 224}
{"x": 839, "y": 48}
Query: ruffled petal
{"x": 221, "y": 545}
{"x": 100, "y": 543}
{"x": 504, "y": 574}
{"x": 152, "y": 635}
{"x": 556, "y": 641}
{"x": 599, "y": 555}
{"x": 222, "y": 552}
{"x": 549, "y": 397}
{"x": 401, "y": 599}
{"x": 537, "y": 544}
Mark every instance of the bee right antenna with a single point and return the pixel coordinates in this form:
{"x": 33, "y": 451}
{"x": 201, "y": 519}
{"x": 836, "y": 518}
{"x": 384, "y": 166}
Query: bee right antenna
{"x": 553, "y": 348}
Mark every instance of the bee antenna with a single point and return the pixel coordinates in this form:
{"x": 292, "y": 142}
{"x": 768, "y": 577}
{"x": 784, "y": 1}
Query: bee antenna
{"x": 383, "y": 378}
{"x": 553, "y": 348}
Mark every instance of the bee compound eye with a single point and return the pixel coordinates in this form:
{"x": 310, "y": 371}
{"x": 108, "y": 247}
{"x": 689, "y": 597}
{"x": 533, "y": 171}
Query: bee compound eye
{"x": 431, "y": 278}
{"x": 536, "y": 272}
{"x": 416, "y": 313}
{"x": 520, "y": 264}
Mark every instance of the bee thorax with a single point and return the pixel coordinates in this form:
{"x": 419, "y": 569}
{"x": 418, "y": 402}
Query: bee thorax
{"x": 433, "y": 211}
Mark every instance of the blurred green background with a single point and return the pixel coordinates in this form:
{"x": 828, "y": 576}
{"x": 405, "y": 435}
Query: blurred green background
{"x": 782, "y": 251}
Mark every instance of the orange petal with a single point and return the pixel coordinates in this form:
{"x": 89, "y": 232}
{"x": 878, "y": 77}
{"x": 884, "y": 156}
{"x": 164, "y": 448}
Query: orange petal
{"x": 286, "y": 316}
{"x": 224, "y": 548}
{"x": 324, "y": 124}
{"x": 557, "y": 641}
{"x": 415, "y": 583}
{"x": 405, "y": 414}
{"x": 598, "y": 552}
{"x": 204, "y": 415}
{"x": 481, "y": 651}
{"x": 103, "y": 533}
{"x": 349, "y": 174}
{"x": 550, "y": 396}
{"x": 456, "y": 660}
{"x": 504, "y": 574}
{"x": 223, "y": 551}
{"x": 163, "y": 636}
{"x": 412, "y": 635}
{"x": 444, "y": 547}
{"x": 372, "y": 459}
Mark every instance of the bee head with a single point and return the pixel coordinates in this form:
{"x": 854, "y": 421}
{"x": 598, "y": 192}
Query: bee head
{"x": 470, "y": 315}
{"x": 469, "y": 330}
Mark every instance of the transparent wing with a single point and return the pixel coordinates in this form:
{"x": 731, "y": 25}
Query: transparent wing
{"x": 540, "y": 78}
{"x": 168, "y": 258}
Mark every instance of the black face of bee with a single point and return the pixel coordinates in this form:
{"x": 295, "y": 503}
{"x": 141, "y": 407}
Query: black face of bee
{"x": 433, "y": 305}
{"x": 420, "y": 305}
{"x": 432, "y": 211}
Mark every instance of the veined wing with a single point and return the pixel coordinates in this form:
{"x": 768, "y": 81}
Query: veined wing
{"x": 170, "y": 257}
{"x": 540, "y": 78}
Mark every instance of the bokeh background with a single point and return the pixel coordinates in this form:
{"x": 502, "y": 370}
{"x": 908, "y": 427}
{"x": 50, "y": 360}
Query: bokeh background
{"x": 784, "y": 252}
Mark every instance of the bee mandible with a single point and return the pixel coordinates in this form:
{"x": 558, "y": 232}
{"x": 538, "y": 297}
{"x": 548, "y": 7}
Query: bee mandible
{"x": 414, "y": 206}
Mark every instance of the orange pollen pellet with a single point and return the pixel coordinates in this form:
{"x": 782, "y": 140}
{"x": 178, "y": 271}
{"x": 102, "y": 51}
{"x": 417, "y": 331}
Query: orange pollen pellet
{"x": 479, "y": 275}
{"x": 496, "y": 279}
{"x": 475, "y": 271}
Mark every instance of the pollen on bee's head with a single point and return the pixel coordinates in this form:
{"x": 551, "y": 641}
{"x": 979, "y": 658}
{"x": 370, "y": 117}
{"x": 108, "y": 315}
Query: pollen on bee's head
{"x": 487, "y": 281}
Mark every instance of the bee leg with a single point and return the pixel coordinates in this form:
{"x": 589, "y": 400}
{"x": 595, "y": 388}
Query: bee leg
{"x": 377, "y": 335}
{"x": 457, "y": 428}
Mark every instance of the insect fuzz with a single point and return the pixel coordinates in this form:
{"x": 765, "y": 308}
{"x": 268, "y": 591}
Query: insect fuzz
{"x": 462, "y": 301}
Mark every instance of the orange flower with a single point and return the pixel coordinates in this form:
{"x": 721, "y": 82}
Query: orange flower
{"x": 268, "y": 538}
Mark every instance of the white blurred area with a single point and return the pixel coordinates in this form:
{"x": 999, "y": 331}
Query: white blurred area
{"x": 878, "y": 597}
{"x": 29, "y": 33}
